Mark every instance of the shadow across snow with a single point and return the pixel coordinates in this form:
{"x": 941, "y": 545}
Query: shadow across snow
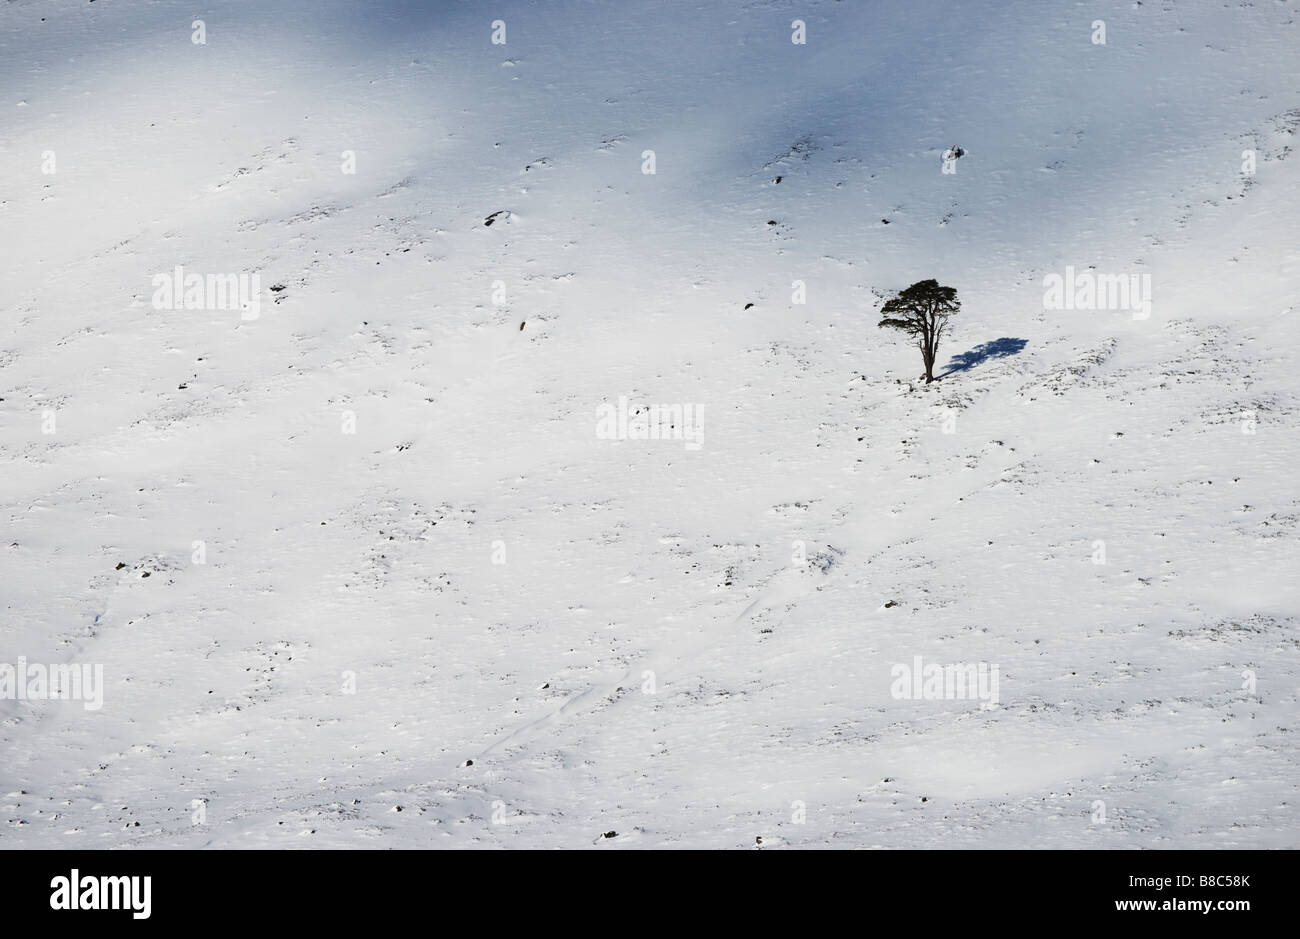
{"x": 996, "y": 349}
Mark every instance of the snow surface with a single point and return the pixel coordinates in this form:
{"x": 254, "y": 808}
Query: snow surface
{"x": 1123, "y": 684}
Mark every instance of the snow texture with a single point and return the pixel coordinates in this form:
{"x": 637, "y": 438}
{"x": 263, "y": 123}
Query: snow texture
{"x": 360, "y": 568}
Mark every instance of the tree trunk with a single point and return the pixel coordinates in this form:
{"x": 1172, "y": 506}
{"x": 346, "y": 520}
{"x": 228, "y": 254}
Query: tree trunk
{"x": 929, "y": 344}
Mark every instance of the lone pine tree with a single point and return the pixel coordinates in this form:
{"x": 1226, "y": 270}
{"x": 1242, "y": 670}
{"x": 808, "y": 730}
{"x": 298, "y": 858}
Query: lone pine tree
{"x": 922, "y": 311}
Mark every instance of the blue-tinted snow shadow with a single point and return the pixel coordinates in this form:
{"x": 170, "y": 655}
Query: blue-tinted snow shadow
{"x": 997, "y": 349}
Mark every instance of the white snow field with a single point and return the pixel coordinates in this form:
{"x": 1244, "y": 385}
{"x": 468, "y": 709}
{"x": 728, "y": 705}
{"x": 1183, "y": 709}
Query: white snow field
{"x": 362, "y": 567}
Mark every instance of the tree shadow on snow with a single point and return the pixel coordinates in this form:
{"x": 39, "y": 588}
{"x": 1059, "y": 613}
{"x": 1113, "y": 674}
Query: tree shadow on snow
{"x": 997, "y": 349}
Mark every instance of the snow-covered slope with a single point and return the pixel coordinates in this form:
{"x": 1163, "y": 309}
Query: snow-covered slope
{"x": 551, "y": 635}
